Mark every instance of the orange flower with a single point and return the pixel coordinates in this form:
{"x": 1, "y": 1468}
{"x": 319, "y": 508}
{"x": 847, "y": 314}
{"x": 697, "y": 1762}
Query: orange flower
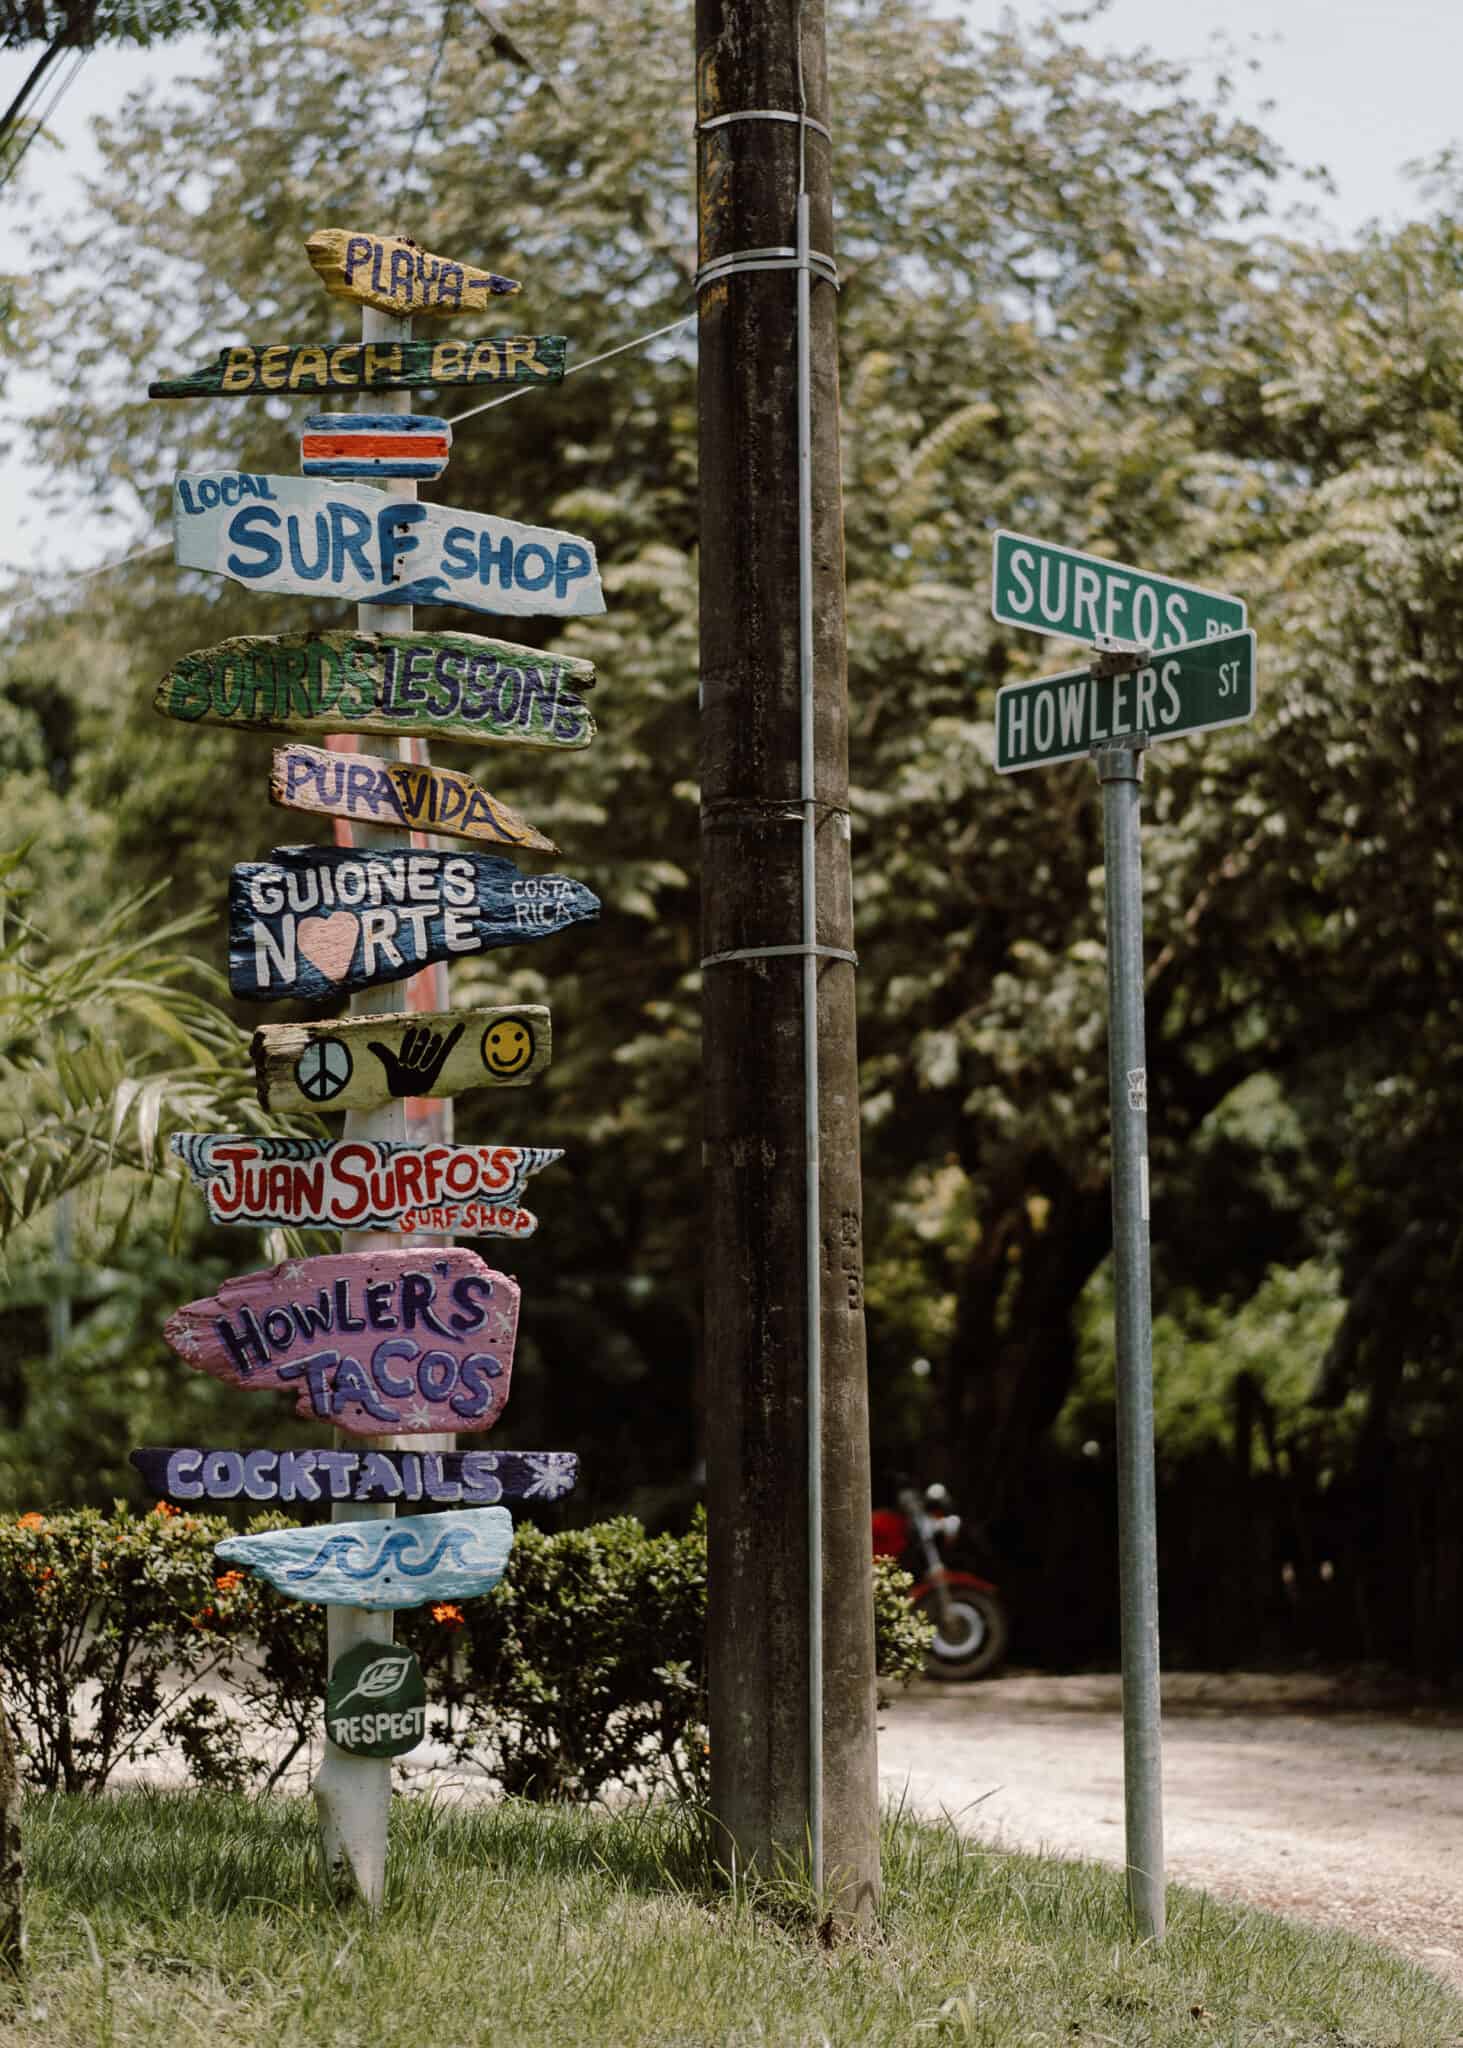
{"x": 31, "y": 1521}
{"x": 201, "y": 1619}
{"x": 227, "y": 1581}
{"x": 450, "y": 1617}
{"x": 165, "y": 1511}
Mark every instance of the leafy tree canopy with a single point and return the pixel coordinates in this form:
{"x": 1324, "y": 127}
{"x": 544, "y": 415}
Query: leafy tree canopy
{"x": 1058, "y": 315}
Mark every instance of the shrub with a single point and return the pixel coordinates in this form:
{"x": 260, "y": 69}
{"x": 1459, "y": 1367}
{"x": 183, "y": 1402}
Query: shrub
{"x": 586, "y": 1663}
{"x": 585, "y": 1666}
{"x": 107, "y": 1622}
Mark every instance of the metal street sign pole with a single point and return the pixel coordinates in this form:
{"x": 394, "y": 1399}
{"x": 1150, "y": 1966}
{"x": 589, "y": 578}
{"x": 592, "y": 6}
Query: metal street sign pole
{"x": 1167, "y": 659}
{"x": 1120, "y": 774}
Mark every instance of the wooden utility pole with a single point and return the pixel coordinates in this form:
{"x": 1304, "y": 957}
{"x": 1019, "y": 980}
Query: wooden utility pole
{"x": 793, "y": 1764}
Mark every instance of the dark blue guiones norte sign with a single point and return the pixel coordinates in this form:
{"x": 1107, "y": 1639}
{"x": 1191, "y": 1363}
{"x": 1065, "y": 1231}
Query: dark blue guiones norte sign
{"x": 314, "y": 921}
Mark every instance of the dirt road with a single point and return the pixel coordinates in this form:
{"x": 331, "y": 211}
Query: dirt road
{"x": 1274, "y": 1792}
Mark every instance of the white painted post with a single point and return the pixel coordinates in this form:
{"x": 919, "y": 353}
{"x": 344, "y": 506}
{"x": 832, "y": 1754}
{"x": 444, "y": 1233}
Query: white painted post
{"x": 353, "y": 1793}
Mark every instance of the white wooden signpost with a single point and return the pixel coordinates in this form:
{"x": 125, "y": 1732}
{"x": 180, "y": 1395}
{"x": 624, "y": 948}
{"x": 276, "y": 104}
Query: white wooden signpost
{"x": 1168, "y": 659}
{"x": 395, "y": 1339}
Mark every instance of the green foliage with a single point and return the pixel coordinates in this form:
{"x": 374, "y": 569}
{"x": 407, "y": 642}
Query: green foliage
{"x": 1056, "y": 316}
{"x": 82, "y": 24}
{"x": 584, "y": 1667}
{"x": 587, "y": 1661}
{"x": 1275, "y": 1341}
{"x": 901, "y": 1637}
{"x": 104, "y": 1047}
{"x": 108, "y": 1621}
{"x": 167, "y": 1918}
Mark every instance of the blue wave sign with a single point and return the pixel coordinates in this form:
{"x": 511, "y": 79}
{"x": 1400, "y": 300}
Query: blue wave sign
{"x": 402, "y": 1563}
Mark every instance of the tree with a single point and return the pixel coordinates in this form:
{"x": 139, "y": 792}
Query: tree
{"x": 1055, "y": 318}
{"x": 67, "y": 27}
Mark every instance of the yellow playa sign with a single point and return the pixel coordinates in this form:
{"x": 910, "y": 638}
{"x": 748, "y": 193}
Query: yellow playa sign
{"x": 395, "y": 275}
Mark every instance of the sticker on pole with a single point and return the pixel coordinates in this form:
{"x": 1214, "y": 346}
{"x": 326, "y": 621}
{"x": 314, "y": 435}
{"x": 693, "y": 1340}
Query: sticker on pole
{"x": 376, "y": 1702}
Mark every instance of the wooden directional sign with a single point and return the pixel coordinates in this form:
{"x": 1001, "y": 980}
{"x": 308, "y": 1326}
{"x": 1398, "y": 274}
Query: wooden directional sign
{"x": 376, "y": 1702}
{"x": 455, "y": 685}
{"x": 295, "y": 535}
{"x": 396, "y": 275}
{"x": 364, "y": 1183}
{"x": 374, "y": 792}
{"x": 1061, "y": 590}
{"x": 405, "y": 1562}
{"x": 1189, "y": 689}
{"x": 377, "y": 1343}
{"x": 368, "y": 447}
{"x": 314, "y": 921}
{"x": 361, "y": 1062}
{"x": 261, "y": 369}
{"x": 286, "y": 1478}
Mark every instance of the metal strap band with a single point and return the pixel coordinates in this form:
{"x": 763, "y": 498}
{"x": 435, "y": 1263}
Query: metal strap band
{"x": 777, "y": 258}
{"x": 765, "y": 114}
{"x": 780, "y": 953}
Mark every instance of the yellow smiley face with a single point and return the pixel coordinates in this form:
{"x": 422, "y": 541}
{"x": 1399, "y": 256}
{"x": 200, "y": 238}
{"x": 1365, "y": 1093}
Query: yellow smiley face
{"x": 507, "y": 1047}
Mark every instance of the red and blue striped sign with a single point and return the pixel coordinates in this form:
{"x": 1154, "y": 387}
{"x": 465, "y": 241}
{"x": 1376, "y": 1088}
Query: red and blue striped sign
{"x": 368, "y": 446}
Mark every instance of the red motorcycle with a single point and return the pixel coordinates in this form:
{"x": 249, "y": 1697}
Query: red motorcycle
{"x": 970, "y": 1621}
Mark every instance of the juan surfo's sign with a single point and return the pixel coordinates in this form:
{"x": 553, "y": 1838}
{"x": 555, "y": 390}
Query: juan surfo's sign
{"x": 315, "y": 539}
{"x": 364, "y": 1183}
{"x": 312, "y": 921}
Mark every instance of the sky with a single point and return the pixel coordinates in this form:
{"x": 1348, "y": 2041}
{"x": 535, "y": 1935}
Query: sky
{"x": 1360, "y": 87}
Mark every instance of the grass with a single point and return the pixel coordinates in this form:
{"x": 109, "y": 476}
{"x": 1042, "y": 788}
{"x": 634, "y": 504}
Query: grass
{"x": 192, "y": 1920}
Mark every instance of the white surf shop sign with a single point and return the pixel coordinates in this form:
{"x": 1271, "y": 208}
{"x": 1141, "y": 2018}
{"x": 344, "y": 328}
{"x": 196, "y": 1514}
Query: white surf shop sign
{"x": 315, "y": 539}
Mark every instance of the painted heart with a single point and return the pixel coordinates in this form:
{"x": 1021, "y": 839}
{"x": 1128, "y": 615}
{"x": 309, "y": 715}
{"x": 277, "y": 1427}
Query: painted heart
{"x": 329, "y": 943}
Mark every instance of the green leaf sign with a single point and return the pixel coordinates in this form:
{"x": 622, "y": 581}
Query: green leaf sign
{"x": 376, "y": 1702}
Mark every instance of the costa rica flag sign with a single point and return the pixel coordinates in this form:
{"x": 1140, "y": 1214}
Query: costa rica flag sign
{"x": 369, "y": 447}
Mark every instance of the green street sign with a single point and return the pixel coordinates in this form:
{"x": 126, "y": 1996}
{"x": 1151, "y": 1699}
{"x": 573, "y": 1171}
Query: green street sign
{"x": 1061, "y": 590}
{"x": 376, "y": 1702}
{"x": 1189, "y": 689}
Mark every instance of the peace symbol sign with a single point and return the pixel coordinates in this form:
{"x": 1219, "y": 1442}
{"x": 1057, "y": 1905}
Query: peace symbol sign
{"x": 323, "y": 1069}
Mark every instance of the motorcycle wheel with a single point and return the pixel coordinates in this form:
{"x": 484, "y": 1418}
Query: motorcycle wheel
{"x": 975, "y": 1642}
